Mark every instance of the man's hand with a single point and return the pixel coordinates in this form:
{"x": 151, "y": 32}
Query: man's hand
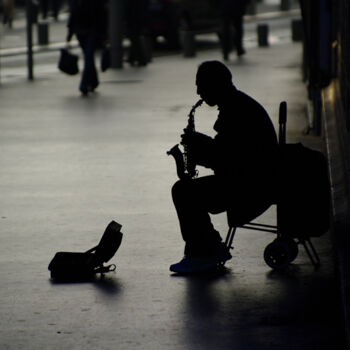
{"x": 195, "y": 140}
{"x": 200, "y": 147}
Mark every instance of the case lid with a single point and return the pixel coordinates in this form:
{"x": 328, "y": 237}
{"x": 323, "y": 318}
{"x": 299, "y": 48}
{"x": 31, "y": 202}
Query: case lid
{"x": 109, "y": 243}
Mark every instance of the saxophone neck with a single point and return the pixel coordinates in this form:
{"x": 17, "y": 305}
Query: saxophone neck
{"x": 195, "y": 106}
{"x": 190, "y": 124}
{"x": 198, "y": 103}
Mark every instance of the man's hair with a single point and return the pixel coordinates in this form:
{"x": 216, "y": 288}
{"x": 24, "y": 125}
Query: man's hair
{"x": 214, "y": 72}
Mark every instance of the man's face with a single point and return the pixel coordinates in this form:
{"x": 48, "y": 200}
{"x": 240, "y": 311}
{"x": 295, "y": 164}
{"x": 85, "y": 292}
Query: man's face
{"x": 207, "y": 91}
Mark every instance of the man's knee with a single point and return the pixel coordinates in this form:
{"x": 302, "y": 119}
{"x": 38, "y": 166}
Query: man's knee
{"x": 183, "y": 191}
{"x": 179, "y": 189}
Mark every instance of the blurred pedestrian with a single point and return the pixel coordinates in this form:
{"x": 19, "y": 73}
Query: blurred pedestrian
{"x": 88, "y": 21}
{"x": 53, "y": 5}
{"x": 232, "y": 13}
{"x": 137, "y": 19}
{"x": 9, "y": 12}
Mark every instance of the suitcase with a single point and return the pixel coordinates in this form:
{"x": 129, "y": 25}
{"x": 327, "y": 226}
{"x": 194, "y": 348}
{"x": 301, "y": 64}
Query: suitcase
{"x": 75, "y": 266}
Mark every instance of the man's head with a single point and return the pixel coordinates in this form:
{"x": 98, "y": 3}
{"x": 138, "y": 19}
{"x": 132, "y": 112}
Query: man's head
{"x": 213, "y": 81}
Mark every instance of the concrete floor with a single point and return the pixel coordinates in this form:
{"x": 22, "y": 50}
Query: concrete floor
{"x": 70, "y": 165}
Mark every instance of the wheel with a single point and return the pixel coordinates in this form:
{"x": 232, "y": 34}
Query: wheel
{"x": 279, "y": 253}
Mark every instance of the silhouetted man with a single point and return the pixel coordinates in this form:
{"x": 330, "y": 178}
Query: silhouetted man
{"x": 243, "y": 157}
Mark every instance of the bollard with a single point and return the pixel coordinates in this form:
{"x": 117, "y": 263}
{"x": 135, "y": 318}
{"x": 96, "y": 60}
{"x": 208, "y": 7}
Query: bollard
{"x": 263, "y": 33}
{"x": 189, "y": 44}
{"x": 43, "y": 33}
{"x": 297, "y": 30}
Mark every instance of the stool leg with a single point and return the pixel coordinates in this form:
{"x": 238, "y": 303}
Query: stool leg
{"x": 314, "y": 258}
{"x": 229, "y": 238}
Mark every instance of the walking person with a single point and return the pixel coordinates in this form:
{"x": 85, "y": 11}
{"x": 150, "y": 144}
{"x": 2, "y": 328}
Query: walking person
{"x": 137, "y": 20}
{"x": 243, "y": 157}
{"x": 88, "y": 21}
{"x": 55, "y": 6}
{"x": 232, "y": 16}
{"x": 46, "y": 5}
{"x": 9, "y": 12}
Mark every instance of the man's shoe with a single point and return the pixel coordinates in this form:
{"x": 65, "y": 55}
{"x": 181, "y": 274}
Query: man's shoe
{"x": 240, "y": 52}
{"x": 84, "y": 92}
{"x": 194, "y": 265}
{"x": 200, "y": 264}
{"x": 222, "y": 253}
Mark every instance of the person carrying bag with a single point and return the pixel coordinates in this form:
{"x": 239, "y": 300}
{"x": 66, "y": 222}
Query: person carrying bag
{"x": 88, "y": 22}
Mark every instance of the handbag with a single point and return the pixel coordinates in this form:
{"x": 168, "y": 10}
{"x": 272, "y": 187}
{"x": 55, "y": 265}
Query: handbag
{"x": 68, "y": 62}
{"x": 75, "y": 266}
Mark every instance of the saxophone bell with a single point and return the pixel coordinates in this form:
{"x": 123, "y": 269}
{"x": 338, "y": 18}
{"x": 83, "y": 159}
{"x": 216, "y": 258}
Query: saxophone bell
{"x": 179, "y": 161}
{"x": 185, "y": 166}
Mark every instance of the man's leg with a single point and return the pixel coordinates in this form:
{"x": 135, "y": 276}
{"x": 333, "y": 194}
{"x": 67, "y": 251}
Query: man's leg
{"x": 239, "y": 32}
{"x": 44, "y": 4}
{"x": 226, "y": 39}
{"x": 194, "y": 200}
{"x": 89, "y": 80}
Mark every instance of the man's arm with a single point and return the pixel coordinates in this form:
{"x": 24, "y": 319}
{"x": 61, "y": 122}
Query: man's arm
{"x": 201, "y": 147}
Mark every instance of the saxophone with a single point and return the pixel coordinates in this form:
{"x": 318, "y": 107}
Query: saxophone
{"x": 185, "y": 166}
